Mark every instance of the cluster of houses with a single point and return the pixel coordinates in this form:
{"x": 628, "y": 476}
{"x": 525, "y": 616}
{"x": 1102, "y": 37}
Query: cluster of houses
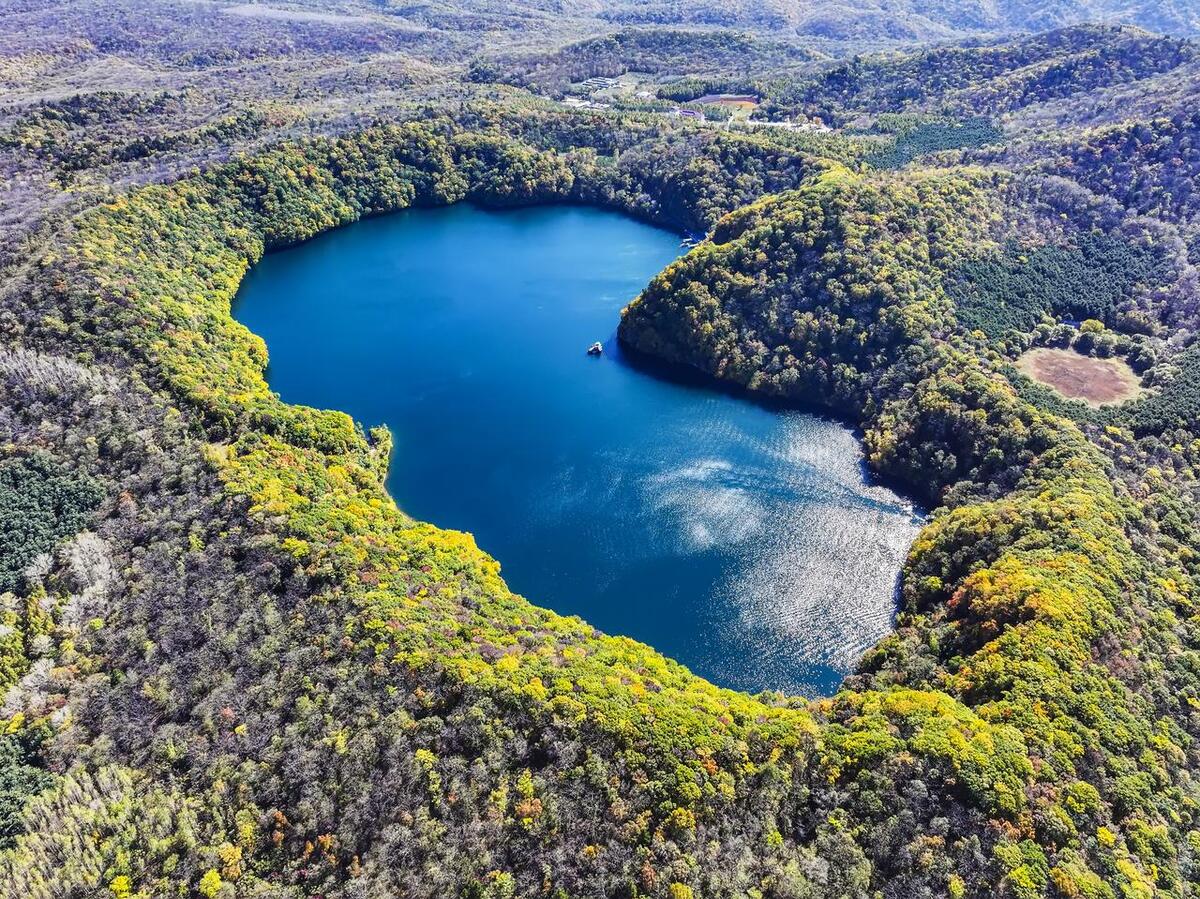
{"x": 597, "y": 83}
{"x": 590, "y": 87}
{"x": 581, "y": 103}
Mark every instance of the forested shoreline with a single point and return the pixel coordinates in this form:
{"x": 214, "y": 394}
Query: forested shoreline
{"x": 234, "y": 668}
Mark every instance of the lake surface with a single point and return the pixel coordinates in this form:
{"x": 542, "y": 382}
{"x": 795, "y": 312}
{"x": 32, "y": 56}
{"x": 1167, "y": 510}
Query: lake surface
{"x": 739, "y": 539}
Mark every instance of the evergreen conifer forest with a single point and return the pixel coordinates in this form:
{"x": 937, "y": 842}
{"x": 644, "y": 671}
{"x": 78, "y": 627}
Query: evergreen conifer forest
{"x": 232, "y": 667}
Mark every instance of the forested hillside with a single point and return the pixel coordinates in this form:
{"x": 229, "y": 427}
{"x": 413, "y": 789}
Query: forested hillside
{"x": 232, "y": 667}
{"x": 908, "y": 20}
{"x": 838, "y": 20}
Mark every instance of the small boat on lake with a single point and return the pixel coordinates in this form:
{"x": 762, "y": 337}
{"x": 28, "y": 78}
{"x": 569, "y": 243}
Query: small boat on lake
{"x": 596, "y": 349}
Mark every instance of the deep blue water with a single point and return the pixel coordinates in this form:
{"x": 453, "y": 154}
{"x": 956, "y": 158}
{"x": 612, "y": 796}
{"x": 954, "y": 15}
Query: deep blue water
{"x": 739, "y": 539}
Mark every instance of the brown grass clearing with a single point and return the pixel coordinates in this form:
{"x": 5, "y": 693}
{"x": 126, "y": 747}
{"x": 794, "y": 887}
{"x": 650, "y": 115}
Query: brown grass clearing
{"x": 733, "y": 101}
{"x": 1098, "y": 382}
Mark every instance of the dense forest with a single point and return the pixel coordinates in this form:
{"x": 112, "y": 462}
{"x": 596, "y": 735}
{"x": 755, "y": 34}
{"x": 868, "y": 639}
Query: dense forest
{"x": 232, "y": 667}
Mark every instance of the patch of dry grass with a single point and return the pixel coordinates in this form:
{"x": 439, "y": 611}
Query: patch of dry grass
{"x": 1098, "y": 382}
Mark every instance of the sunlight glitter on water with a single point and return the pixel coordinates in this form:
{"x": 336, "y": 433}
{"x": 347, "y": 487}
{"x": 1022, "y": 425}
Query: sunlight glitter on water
{"x": 815, "y": 546}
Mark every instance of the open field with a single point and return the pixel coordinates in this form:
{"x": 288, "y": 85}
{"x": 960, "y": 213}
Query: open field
{"x": 733, "y": 101}
{"x": 1098, "y": 382}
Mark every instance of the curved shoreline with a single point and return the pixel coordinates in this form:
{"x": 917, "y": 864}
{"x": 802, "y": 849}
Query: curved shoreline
{"x": 688, "y": 584}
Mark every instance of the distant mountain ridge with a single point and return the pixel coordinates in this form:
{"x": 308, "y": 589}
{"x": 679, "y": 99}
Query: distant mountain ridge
{"x": 907, "y": 20}
{"x": 848, "y": 23}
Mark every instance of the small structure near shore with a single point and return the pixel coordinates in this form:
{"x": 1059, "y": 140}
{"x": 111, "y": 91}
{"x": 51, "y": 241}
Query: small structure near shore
{"x": 595, "y": 349}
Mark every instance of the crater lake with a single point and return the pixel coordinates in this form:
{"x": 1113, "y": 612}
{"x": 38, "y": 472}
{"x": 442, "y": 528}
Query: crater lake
{"x": 743, "y": 540}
